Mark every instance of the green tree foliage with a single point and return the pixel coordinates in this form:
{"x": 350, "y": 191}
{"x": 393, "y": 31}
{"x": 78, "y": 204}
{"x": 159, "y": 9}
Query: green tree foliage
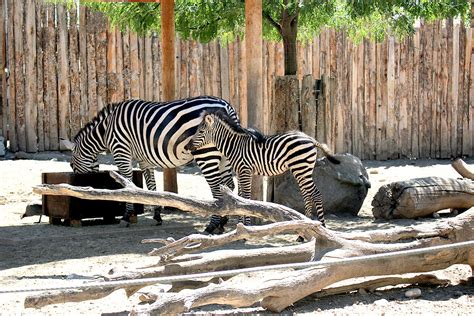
{"x": 287, "y": 20}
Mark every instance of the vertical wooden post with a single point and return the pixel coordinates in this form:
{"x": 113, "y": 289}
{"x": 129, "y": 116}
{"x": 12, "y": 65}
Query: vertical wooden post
{"x": 3, "y": 65}
{"x": 167, "y": 43}
{"x": 254, "y": 68}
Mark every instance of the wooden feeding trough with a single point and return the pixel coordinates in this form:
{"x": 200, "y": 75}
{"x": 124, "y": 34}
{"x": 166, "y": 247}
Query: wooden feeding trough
{"x": 73, "y": 210}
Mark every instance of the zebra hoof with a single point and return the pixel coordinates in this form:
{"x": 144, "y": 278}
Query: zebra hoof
{"x": 124, "y": 223}
{"x": 210, "y": 229}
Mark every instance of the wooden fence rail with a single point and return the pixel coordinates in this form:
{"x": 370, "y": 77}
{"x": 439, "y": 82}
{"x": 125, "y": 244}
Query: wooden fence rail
{"x": 408, "y": 98}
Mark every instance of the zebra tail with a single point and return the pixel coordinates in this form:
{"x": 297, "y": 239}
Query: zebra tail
{"x": 327, "y": 152}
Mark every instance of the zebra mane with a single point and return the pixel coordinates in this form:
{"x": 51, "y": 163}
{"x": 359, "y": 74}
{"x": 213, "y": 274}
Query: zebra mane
{"x": 253, "y": 132}
{"x": 101, "y": 115}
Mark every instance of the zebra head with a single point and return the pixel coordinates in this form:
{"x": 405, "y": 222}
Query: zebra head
{"x": 81, "y": 160}
{"x": 203, "y": 135}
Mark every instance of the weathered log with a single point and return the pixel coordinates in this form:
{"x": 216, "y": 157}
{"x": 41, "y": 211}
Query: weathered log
{"x": 230, "y": 204}
{"x": 422, "y": 197}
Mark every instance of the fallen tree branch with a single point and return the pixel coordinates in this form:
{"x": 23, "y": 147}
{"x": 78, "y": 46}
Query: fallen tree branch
{"x": 230, "y": 204}
{"x": 275, "y": 291}
{"x": 194, "y": 242}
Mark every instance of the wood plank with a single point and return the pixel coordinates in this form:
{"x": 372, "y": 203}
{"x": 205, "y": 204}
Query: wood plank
{"x": 360, "y": 123}
{"x": 451, "y": 124}
{"x": 31, "y": 109}
{"x": 141, "y": 66}
{"x": 127, "y": 71}
{"x": 177, "y": 70}
{"x": 355, "y": 106}
{"x": 242, "y": 82}
{"x": 316, "y": 56}
{"x": 308, "y": 106}
{"x": 12, "y": 132}
{"x": 74, "y": 73}
{"x": 391, "y": 102}
{"x": 148, "y": 65}
{"x": 402, "y": 87}
{"x": 461, "y": 108}
{"x": 381, "y": 135}
{"x": 270, "y": 78}
{"x": 338, "y": 121}
{"x": 372, "y": 100}
{"x": 101, "y": 61}
{"x": 455, "y": 90}
{"x": 92, "y": 20}
{"x": 134, "y": 67}
{"x": 233, "y": 89}
{"x": 467, "y": 132}
{"x": 411, "y": 107}
{"x": 216, "y": 69}
{"x": 193, "y": 76}
{"x": 119, "y": 92}
{"x": 41, "y": 22}
{"x": 50, "y": 84}
{"x": 64, "y": 110}
{"x": 436, "y": 91}
{"x": 18, "y": 19}
{"x": 111, "y": 63}
{"x": 206, "y": 69}
{"x": 83, "y": 78}
{"x": 156, "y": 51}
{"x": 224, "y": 70}
{"x": 444, "y": 103}
{"x": 183, "y": 68}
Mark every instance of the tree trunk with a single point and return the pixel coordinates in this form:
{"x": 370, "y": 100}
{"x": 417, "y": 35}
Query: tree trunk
{"x": 289, "y": 31}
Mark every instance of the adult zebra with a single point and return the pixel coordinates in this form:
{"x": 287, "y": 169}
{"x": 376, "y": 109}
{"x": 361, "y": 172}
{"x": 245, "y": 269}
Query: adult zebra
{"x": 154, "y": 134}
{"x": 249, "y": 152}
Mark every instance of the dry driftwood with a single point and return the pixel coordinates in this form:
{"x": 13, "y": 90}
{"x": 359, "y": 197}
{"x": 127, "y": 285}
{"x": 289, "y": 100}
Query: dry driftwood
{"x": 422, "y": 197}
{"x": 230, "y": 204}
{"x": 275, "y": 291}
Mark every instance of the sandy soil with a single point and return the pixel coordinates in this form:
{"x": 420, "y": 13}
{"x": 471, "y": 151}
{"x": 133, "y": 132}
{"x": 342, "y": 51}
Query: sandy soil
{"x": 43, "y": 255}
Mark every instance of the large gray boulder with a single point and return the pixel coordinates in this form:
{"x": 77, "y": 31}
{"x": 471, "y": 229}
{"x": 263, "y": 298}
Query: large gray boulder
{"x": 343, "y": 186}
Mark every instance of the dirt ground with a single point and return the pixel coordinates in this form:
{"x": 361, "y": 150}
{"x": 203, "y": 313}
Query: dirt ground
{"x": 42, "y": 255}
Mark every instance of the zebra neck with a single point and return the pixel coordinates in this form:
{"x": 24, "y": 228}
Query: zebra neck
{"x": 231, "y": 143}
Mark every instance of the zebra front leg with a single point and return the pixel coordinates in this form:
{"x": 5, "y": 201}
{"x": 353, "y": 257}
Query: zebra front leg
{"x": 209, "y": 161}
{"x": 126, "y": 171}
{"x": 149, "y": 175}
{"x": 245, "y": 191}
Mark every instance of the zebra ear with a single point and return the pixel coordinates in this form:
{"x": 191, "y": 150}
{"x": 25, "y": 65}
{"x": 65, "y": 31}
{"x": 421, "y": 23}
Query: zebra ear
{"x": 66, "y": 143}
{"x": 209, "y": 120}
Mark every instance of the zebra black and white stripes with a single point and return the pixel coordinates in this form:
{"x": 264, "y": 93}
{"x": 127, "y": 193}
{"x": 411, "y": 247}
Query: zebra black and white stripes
{"x": 250, "y": 153}
{"x": 154, "y": 134}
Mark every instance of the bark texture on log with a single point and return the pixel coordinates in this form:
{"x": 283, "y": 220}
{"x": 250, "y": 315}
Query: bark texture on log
{"x": 422, "y": 197}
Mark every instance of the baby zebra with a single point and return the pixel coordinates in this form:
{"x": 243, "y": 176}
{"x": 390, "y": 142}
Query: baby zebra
{"x": 249, "y": 152}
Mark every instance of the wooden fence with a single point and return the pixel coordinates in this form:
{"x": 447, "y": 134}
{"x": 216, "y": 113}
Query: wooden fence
{"x": 409, "y": 98}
